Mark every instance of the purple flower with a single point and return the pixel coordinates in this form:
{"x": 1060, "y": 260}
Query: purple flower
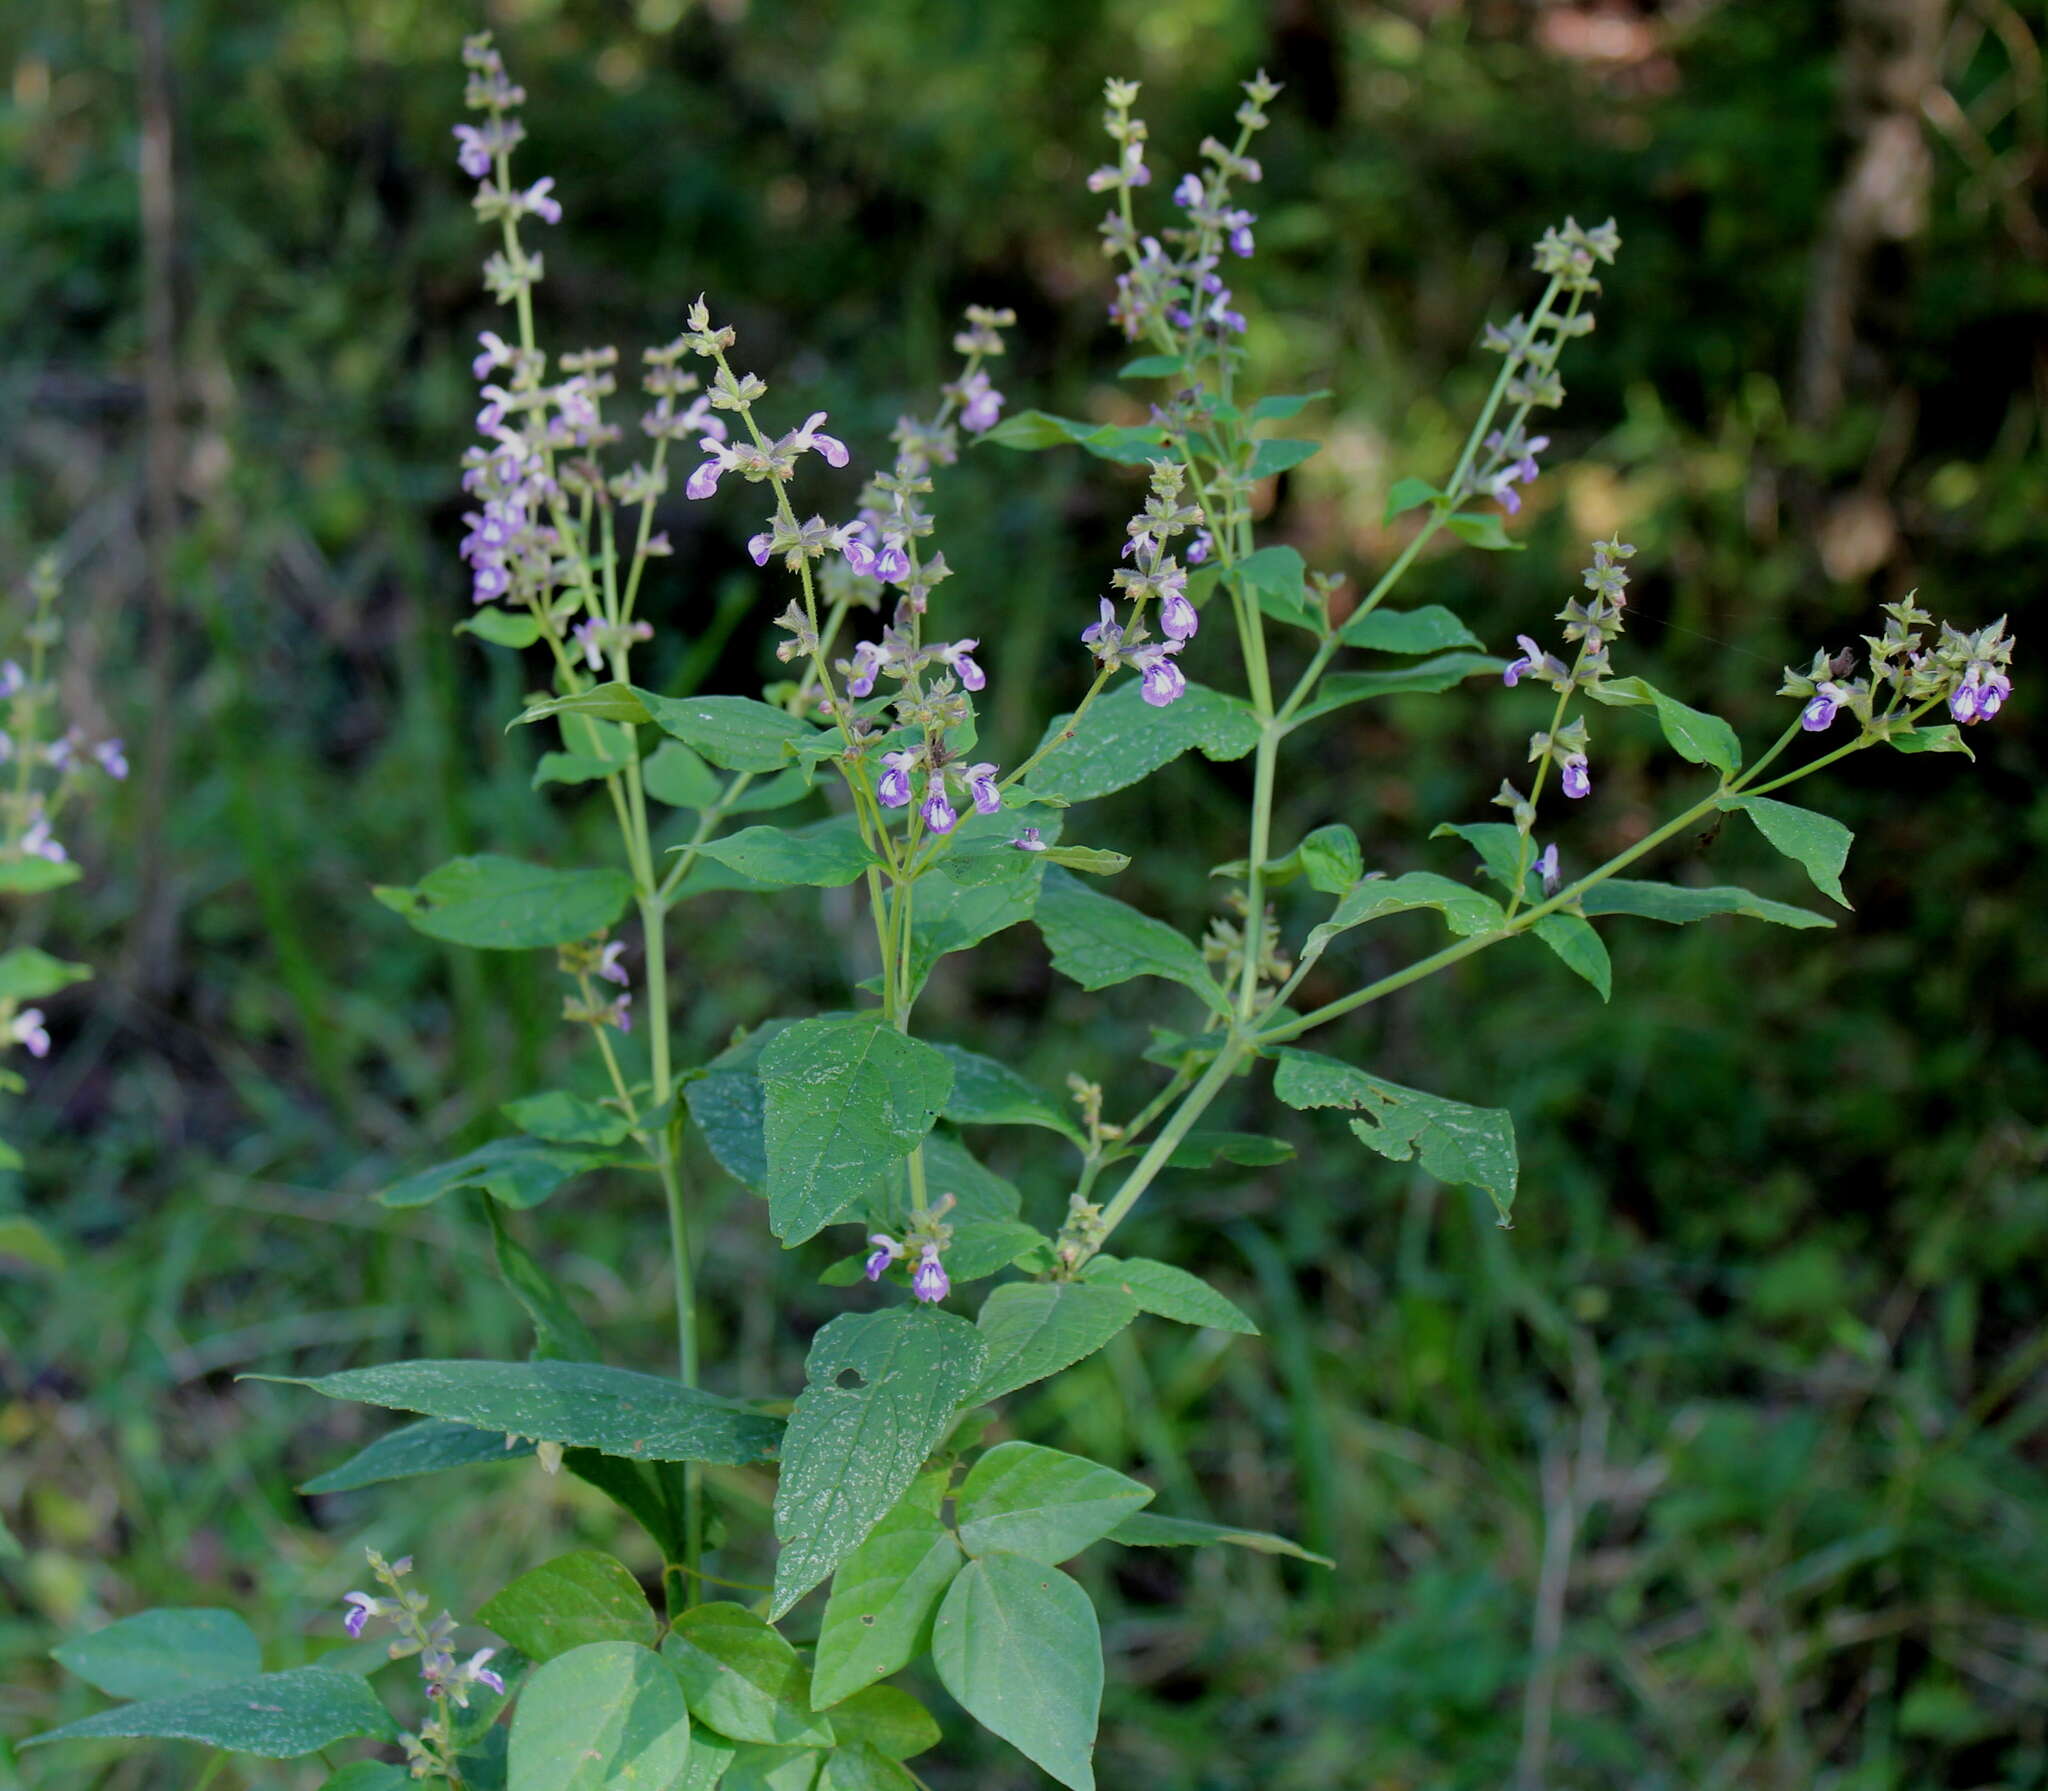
{"x": 704, "y": 481}
{"x": 1532, "y": 657}
{"x": 362, "y": 1607}
{"x": 1199, "y": 548}
{"x": 589, "y": 635}
{"x": 1177, "y": 616}
{"x": 1991, "y": 699}
{"x": 497, "y": 353}
{"x": 860, "y": 673}
{"x": 981, "y": 405}
{"x": 894, "y": 789}
{"x": 981, "y": 785}
{"x": 1546, "y": 868}
{"x": 1028, "y": 841}
{"x": 13, "y": 680}
{"x": 37, "y": 842}
{"x": 937, "y": 811}
{"x": 928, "y": 1281}
{"x": 855, "y": 551}
{"x": 1104, "y": 636}
{"x": 760, "y": 546}
{"x": 1188, "y": 194}
{"x": 892, "y": 564}
{"x": 886, "y": 1251}
{"x": 959, "y": 657}
{"x": 477, "y": 1673}
{"x": 535, "y": 199}
{"x": 1578, "y": 781}
{"x": 809, "y": 436}
{"x": 608, "y": 965}
{"x": 472, "y": 152}
{"x": 1820, "y": 713}
{"x": 622, "y": 1013}
{"x": 113, "y": 761}
{"x": 1163, "y": 680}
{"x": 1237, "y": 227}
{"x": 27, "y": 1029}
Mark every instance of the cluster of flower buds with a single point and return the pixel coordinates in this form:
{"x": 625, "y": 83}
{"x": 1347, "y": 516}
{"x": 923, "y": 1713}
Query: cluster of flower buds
{"x": 923, "y": 1246}
{"x": 941, "y": 778}
{"x": 1970, "y": 673}
{"x": 448, "y": 1681}
{"x": 1225, "y": 943}
{"x": 1172, "y": 279}
{"x": 1154, "y": 576}
{"x": 484, "y": 153}
{"x": 600, "y": 959}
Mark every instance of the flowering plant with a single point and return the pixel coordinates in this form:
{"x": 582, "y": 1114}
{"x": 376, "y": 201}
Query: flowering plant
{"x": 926, "y": 1537}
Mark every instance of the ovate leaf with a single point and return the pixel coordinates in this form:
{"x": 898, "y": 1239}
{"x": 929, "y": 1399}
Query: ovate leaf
{"x": 1818, "y": 843}
{"x": 277, "y": 1716}
{"x": 27, "y": 974}
{"x": 824, "y": 856}
{"x": 563, "y": 1118}
{"x": 1677, "y": 904}
{"x": 1691, "y": 733}
{"x": 879, "y": 1616}
{"x": 988, "y": 1093}
{"x": 736, "y": 732}
{"x": 1097, "y": 941}
{"x": 1170, "y": 1292}
{"x": 1466, "y": 910}
{"x": 1043, "y": 1504}
{"x": 578, "y": 1598}
{"x": 1406, "y": 495}
{"x": 742, "y": 1679}
{"x": 426, "y": 1447}
{"x": 608, "y": 1716}
{"x": 1482, "y": 531}
{"x": 887, "y": 1719}
{"x": 1145, "y": 1529}
{"x": 1036, "y": 1328}
{"x": 1575, "y": 941}
{"x": 1123, "y": 739}
{"x": 1426, "y": 678}
{"x": 516, "y": 1172}
{"x": 500, "y": 904}
{"x": 1432, "y": 629}
{"x": 1277, "y": 581}
{"x": 160, "y": 1653}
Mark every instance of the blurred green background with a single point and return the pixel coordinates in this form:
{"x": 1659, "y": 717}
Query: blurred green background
{"x": 1728, "y": 1466}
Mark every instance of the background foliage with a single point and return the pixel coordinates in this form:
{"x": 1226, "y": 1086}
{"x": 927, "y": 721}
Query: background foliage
{"x": 1726, "y": 1466}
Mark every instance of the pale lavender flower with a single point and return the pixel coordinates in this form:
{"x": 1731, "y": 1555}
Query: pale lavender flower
{"x": 1188, "y": 194}
{"x": 1819, "y": 714}
{"x": 981, "y": 785}
{"x": 472, "y": 151}
{"x": 1546, "y": 868}
{"x": 959, "y": 658}
{"x": 1028, "y": 841}
{"x": 536, "y": 200}
{"x": 1163, "y": 681}
{"x": 589, "y": 636}
{"x": 886, "y": 1251}
{"x": 704, "y": 481}
{"x": 478, "y": 1673}
{"x": 981, "y": 405}
{"x": 1997, "y": 687}
{"x": 608, "y": 965}
{"x": 112, "y": 760}
{"x": 810, "y": 436}
{"x": 362, "y": 1607}
{"x": 760, "y": 546}
{"x": 1578, "y": 781}
{"x": 1104, "y": 637}
{"x": 1199, "y": 548}
{"x": 27, "y": 1029}
{"x": 1237, "y": 227}
{"x": 1177, "y": 616}
{"x": 497, "y": 353}
{"x": 1532, "y": 657}
{"x": 860, "y": 671}
{"x": 929, "y": 1281}
{"x": 38, "y": 842}
{"x": 892, "y": 564}
{"x": 937, "y": 811}
{"x": 894, "y": 789}
{"x": 622, "y": 1013}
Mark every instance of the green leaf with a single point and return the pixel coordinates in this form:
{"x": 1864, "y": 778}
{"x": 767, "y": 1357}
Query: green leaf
{"x": 1278, "y": 456}
{"x": 758, "y": 1768}
{"x": 1575, "y": 941}
{"x": 516, "y": 1172}
{"x": 1032, "y": 430}
{"x": 426, "y": 1447}
{"x": 610, "y": 701}
{"x": 1043, "y": 1504}
{"x": 1692, "y": 733}
{"x": 727, "y": 1101}
{"x": 1091, "y": 859}
{"x": 824, "y": 856}
{"x": 23, "y": 1240}
{"x": 499, "y": 904}
{"x": 882, "y": 1388}
{"x": 1499, "y": 846}
{"x": 845, "y": 1099}
{"x": 1159, "y": 1287}
{"x": 579, "y": 1404}
{"x": 581, "y": 1597}
{"x": 673, "y": 774}
{"x": 1482, "y": 531}
{"x": 1145, "y": 1529}
{"x": 1677, "y": 904}
{"x": 855, "y": 1766}
{"x": 1428, "y": 678}
{"x": 35, "y": 876}
{"x": 1431, "y": 629}
{"x": 1278, "y": 581}
{"x": 988, "y": 1093}
{"x": 1097, "y": 940}
{"x": 949, "y": 916}
{"x": 1406, "y": 495}
{"x": 559, "y": 1334}
{"x": 160, "y": 1653}
{"x": 711, "y": 1757}
{"x": 1122, "y": 740}
{"x": 736, "y": 732}
{"x": 742, "y": 1679}
{"x": 879, "y": 1616}
{"x": 572, "y": 768}
{"x": 608, "y": 1716}
{"x": 1282, "y": 405}
{"x": 563, "y": 1118}
{"x": 1017, "y": 1643}
{"x": 1472, "y": 1146}
{"x": 1249, "y": 1150}
{"x": 277, "y": 1716}
{"x": 371, "y": 1775}
{"x": 649, "y": 1492}
{"x": 1153, "y": 366}
{"x": 984, "y": 1247}
{"x": 977, "y": 1190}
{"x": 1466, "y": 911}
{"x": 27, "y": 974}
{"x": 1036, "y": 1328}
{"x": 1946, "y": 738}
{"x": 1819, "y": 843}
{"x": 501, "y": 627}
{"x": 887, "y": 1719}
{"x": 1331, "y": 858}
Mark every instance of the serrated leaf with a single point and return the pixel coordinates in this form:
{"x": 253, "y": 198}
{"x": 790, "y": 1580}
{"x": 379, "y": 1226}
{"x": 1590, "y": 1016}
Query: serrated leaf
{"x": 578, "y": 1404}
{"x": 1580, "y": 947}
{"x": 1818, "y": 843}
{"x": 1097, "y": 941}
{"x": 978, "y": 1192}
{"x": 1145, "y": 1529}
{"x": 1169, "y": 1292}
{"x": 726, "y": 1100}
{"x": 1043, "y": 1504}
{"x": 1482, "y": 531}
{"x": 1406, "y": 495}
{"x": 1122, "y": 740}
{"x": 1428, "y": 678}
{"x": 1676, "y": 904}
{"x": 1466, "y": 911}
{"x": 673, "y": 774}
{"x": 884, "y": 1595}
{"x": 736, "y": 732}
{"x": 1693, "y": 734}
{"x": 988, "y": 1093}
{"x": 164, "y": 1652}
{"x": 27, "y": 974}
{"x": 1275, "y": 455}
{"x": 1472, "y": 1146}
{"x": 607, "y": 1716}
{"x": 500, "y": 904}
{"x": 845, "y": 1099}
{"x": 742, "y": 1679}
{"x": 882, "y": 1388}
{"x": 563, "y": 1118}
{"x": 516, "y": 1172}
{"x": 1249, "y": 1150}
{"x": 610, "y": 701}
{"x": 824, "y": 856}
{"x": 1946, "y": 738}
{"x": 276, "y": 1716}
{"x": 1278, "y": 582}
{"x": 1431, "y": 629}
{"x": 426, "y": 1447}
{"x": 1036, "y": 1328}
{"x": 581, "y": 1597}
{"x": 1018, "y": 1645}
